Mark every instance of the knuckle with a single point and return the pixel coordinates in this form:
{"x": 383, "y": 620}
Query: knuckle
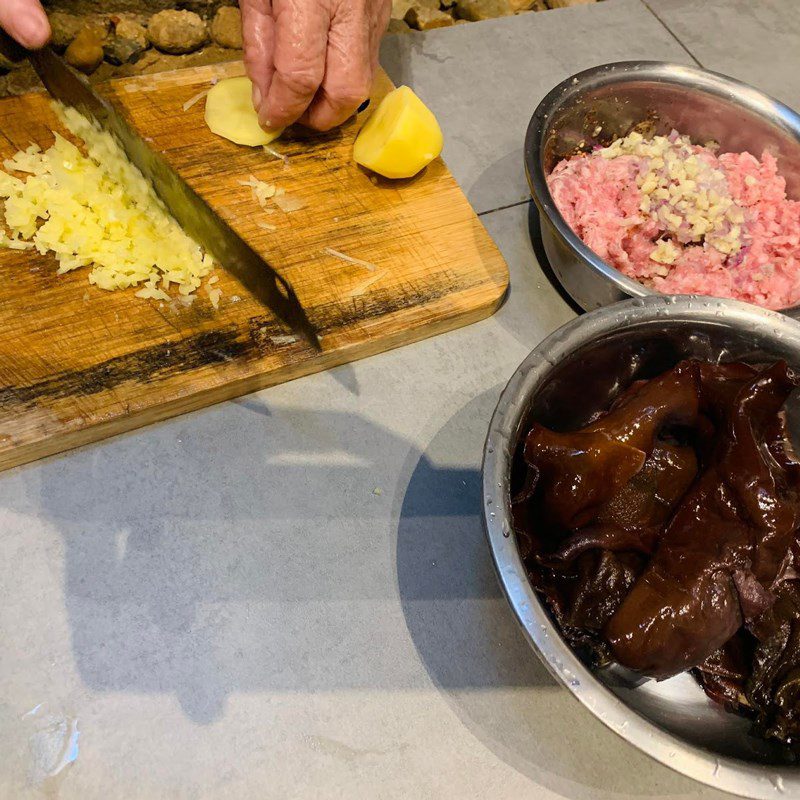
{"x": 350, "y": 94}
{"x": 346, "y": 98}
{"x": 324, "y": 117}
{"x": 322, "y": 125}
{"x": 303, "y": 82}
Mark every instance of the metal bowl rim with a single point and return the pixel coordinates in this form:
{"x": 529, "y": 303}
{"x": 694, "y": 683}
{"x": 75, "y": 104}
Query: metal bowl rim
{"x": 729, "y": 774}
{"x": 621, "y": 72}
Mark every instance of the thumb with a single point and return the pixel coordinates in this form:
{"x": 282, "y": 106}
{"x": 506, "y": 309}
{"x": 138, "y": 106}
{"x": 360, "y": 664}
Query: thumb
{"x": 25, "y": 21}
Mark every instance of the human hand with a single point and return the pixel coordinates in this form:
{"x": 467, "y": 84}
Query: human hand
{"x": 25, "y": 21}
{"x": 311, "y": 61}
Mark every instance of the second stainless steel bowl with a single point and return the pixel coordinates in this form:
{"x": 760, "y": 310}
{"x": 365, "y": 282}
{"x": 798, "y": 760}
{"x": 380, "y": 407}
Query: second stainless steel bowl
{"x": 574, "y": 372}
{"x": 601, "y": 104}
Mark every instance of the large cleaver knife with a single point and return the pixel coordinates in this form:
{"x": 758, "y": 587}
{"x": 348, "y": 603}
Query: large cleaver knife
{"x": 193, "y": 214}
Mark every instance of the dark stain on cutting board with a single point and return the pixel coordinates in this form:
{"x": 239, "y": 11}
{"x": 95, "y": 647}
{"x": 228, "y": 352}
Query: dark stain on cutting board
{"x": 142, "y": 366}
{"x": 226, "y": 344}
{"x": 78, "y": 365}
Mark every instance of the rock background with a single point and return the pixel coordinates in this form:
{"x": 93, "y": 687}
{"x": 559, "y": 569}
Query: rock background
{"x": 206, "y": 8}
{"x": 116, "y": 38}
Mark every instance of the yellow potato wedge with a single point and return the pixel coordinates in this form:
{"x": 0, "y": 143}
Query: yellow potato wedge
{"x": 401, "y": 137}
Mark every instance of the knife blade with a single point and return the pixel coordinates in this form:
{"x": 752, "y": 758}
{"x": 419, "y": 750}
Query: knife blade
{"x": 193, "y": 214}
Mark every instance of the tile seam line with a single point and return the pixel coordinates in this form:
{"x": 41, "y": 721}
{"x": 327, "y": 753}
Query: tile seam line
{"x": 646, "y": 4}
{"x": 503, "y": 208}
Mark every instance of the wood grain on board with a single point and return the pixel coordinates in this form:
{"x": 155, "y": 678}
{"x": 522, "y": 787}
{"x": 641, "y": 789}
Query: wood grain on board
{"x": 78, "y": 364}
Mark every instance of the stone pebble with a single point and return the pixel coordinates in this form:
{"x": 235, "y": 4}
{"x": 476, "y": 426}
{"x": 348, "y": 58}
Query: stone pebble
{"x": 177, "y": 32}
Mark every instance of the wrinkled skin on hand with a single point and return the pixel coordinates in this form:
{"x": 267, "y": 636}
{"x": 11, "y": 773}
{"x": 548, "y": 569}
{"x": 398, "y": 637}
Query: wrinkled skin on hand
{"x": 311, "y": 61}
{"x": 680, "y": 565}
{"x": 25, "y": 21}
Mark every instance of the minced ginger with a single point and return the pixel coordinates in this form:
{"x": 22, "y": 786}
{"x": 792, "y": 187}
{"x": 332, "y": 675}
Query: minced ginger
{"x": 684, "y": 192}
{"x": 97, "y": 210}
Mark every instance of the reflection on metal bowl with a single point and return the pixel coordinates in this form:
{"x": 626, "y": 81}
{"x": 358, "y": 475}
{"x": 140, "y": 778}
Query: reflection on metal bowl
{"x": 603, "y": 103}
{"x": 574, "y": 372}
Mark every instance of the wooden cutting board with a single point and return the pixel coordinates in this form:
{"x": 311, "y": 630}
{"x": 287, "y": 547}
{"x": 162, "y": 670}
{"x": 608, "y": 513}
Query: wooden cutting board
{"x": 78, "y": 364}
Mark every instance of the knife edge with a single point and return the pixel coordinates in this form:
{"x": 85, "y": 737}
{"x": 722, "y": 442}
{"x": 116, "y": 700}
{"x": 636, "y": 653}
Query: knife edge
{"x": 193, "y": 214}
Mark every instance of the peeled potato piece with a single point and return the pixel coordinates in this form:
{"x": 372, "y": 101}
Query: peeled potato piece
{"x": 230, "y": 113}
{"x": 401, "y": 137}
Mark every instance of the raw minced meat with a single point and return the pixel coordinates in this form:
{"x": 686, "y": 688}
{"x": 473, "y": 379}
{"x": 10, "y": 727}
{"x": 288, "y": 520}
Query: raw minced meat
{"x": 682, "y": 219}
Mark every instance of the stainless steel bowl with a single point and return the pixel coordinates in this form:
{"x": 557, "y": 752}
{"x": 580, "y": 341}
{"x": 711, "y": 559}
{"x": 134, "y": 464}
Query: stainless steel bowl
{"x": 603, "y": 103}
{"x": 571, "y": 374}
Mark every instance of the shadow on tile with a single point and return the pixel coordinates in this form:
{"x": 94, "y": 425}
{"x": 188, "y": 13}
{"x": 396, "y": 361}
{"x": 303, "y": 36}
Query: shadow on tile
{"x": 274, "y": 571}
{"x": 535, "y": 232}
{"x": 472, "y": 647}
{"x": 251, "y": 553}
{"x": 206, "y": 560}
{"x": 459, "y": 620}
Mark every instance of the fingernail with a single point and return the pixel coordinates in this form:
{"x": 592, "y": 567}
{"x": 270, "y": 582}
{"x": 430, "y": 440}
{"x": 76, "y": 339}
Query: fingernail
{"x": 263, "y": 121}
{"x": 363, "y": 107}
{"x": 256, "y": 97}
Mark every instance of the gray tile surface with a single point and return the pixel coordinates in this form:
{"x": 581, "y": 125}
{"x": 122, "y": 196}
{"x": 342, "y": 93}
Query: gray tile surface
{"x": 290, "y": 596}
{"x": 229, "y": 610}
{"x": 756, "y": 42}
{"x": 484, "y": 81}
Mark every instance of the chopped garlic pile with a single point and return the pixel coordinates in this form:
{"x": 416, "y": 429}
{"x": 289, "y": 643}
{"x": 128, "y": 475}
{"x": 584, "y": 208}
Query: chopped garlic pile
{"x": 97, "y": 210}
{"x": 682, "y": 191}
